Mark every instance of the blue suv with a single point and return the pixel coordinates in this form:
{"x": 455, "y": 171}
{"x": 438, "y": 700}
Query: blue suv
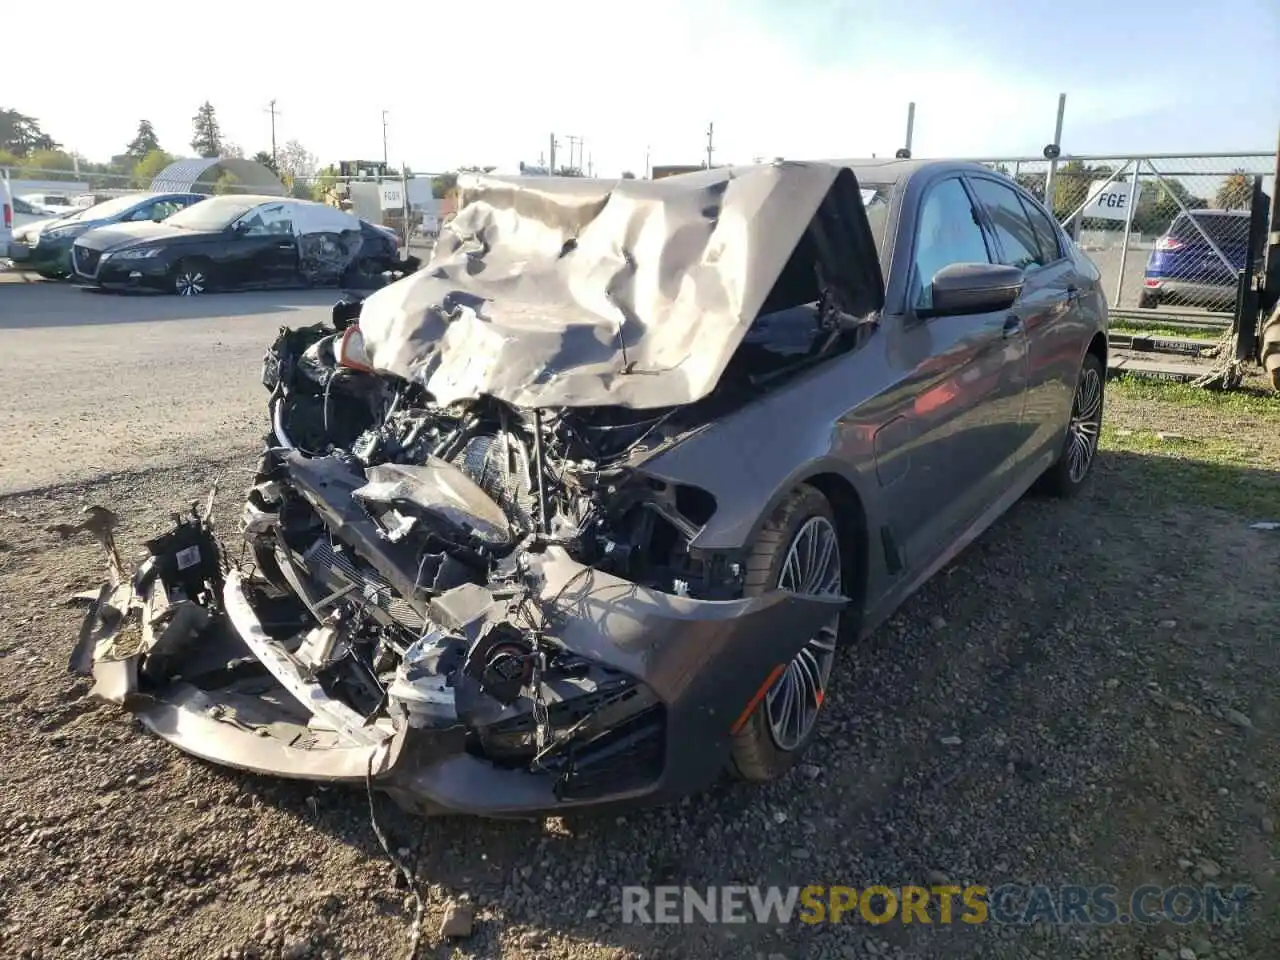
{"x": 1183, "y": 267}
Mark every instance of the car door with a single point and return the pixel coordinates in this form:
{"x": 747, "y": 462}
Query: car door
{"x": 1047, "y": 309}
{"x": 263, "y": 249}
{"x": 953, "y": 432}
{"x": 278, "y": 262}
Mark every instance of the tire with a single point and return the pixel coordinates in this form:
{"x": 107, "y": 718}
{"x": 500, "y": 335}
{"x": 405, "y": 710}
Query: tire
{"x": 763, "y": 748}
{"x": 52, "y": 274}
{"x": 192, "y": 277}
{"x": 1080, "y": 447}
{"x": 1148, "y": 301}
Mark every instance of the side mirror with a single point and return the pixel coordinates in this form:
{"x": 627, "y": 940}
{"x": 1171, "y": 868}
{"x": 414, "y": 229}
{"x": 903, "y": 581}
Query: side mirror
{"x": 966, "y": 288}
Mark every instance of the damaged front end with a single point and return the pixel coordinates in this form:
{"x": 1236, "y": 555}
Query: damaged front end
{"x": 481, "y": 609}
{"x": 461, "y": 586}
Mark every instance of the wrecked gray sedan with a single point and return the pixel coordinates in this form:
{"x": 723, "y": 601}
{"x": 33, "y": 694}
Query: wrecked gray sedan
{"x": 577, "y": 515}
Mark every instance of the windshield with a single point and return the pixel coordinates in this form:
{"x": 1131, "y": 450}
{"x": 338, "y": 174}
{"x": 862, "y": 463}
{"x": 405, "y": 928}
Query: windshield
{"x": 216, "y": 213}
{"x": 108, "y": 208}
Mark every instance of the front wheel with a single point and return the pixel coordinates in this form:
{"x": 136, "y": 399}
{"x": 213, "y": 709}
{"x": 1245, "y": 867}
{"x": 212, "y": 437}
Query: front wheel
{"x": 191, "y": 278}
{"x": 797, "y": 550}
{"x": 1066, "y": 477}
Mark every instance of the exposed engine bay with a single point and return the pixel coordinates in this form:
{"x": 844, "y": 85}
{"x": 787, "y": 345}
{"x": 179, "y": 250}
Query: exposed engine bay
{"x": 482, "y": 606}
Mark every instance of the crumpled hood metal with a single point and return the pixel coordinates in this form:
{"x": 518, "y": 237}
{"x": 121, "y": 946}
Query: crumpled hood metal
{"x": 573, "y": 292}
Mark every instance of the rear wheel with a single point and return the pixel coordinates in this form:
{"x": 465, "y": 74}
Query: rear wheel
{"x": 192, "y": 278}
{"x": 1067, "y": 476}
{"x": 53, "y": 274}
{"x": 798, "y": 550}
{"x": 1148, "y": 301}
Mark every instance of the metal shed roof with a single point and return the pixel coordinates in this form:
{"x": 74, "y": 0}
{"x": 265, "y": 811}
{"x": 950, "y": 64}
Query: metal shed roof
{"x": 194, "y": 173}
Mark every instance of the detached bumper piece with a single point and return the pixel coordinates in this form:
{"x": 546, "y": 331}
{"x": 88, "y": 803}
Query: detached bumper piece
{"x": 348, "y": 654}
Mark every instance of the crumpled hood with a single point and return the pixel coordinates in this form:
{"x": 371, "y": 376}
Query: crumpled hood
{"x": 573, "y": 292}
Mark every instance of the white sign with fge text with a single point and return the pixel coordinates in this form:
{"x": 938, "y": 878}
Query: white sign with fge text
{"x": 392, "y": 195}
{"x": 1108, "y": 201}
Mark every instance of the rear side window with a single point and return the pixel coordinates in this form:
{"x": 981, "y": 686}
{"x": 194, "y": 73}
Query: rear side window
{"x": 1045, "y": 231}
{"x": 1012, "y": 226}
{"x": 1223, "y": 229}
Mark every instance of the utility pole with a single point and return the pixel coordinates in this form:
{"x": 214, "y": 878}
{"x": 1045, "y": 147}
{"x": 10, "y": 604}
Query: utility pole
{"x": 575, "y": 142}
{"x": 551, "y": 163}
{"x": 647, "y": 168}
{"x": 711, "y": 132}
{"x": 384, "y": 140}
{"x": 271, "y": 109}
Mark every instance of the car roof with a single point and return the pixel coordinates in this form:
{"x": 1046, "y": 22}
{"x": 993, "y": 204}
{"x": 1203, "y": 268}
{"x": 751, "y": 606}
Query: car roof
{"x": 887, "y": 171}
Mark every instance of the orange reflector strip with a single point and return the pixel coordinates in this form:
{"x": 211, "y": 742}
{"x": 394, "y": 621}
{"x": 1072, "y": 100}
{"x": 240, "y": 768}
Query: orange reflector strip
{"x": 754, "y": 702}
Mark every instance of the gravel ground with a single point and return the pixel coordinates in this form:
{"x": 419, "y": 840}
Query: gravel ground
{"x": 1086, "y": 696}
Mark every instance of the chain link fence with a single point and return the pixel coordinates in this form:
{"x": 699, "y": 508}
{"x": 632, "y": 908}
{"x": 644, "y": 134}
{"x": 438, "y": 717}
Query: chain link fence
{"x": 1168, "y": 233}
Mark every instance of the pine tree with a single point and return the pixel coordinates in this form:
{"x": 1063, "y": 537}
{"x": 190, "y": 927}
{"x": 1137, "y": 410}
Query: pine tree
{"x": 207, "y": 138}
{"x": 144, "y": 142}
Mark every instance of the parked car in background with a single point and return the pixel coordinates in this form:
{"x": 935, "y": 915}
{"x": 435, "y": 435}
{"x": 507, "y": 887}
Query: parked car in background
{"x": 48, "y": 243}
{"x": 51, "y": 204}
{"x": 380, "y": 251}
{"x": 235, "y": 242}
{"x": 25, "y": 215}
{"x": 6, "y": 217}
{"x": 1184, "y": 268}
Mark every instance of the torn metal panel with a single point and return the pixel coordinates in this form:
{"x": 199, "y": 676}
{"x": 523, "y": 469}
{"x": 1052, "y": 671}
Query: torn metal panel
{"x": 632, "y": 293}
{"x": 326, "y": 256}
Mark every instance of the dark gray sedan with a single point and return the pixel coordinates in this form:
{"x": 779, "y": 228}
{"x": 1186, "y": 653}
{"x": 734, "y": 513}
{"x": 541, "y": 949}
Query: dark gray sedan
{"x": 577, "y": 514}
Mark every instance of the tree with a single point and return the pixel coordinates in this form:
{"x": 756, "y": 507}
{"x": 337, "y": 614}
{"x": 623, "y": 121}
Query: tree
{"x": 444, "y": 185}
{"x": 20, "y": 134}
{"x": 295, "y": 160}
{"x": 323, "y": 189}
{"x": 143, "y": 142}
{"x": 232, "y": 150}
{"x": 150, "y": 166}
{"x": 265, "y": 159}
{"x": 206, "y": 139}
{"x": 50, "y": 164}
{"x": 226, "y": 183}
{"x": 1236, "y": 192}
{"x": 628, "y": 175}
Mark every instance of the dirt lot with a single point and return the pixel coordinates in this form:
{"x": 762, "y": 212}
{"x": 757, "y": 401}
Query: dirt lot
{"x": 1087, "y": 696}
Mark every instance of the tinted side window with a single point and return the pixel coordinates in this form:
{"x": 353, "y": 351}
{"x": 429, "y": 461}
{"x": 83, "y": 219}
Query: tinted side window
{"x": 1046, "y": 234}
{"x": 1011, "y": 224}
{"x": 948, "y": 233}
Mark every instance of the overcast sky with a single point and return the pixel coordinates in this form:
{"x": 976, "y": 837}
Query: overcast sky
{"x": 487, "y": 81}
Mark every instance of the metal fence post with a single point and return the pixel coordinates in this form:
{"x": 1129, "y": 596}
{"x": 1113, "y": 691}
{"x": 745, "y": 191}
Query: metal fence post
{"x": 1053, "y": 162}
{"x": 1134, "y": 194}
{"x": 404, "y": 200}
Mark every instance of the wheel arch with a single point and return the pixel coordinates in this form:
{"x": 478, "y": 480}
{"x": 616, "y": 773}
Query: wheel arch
{"x": 851, "y": 525}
